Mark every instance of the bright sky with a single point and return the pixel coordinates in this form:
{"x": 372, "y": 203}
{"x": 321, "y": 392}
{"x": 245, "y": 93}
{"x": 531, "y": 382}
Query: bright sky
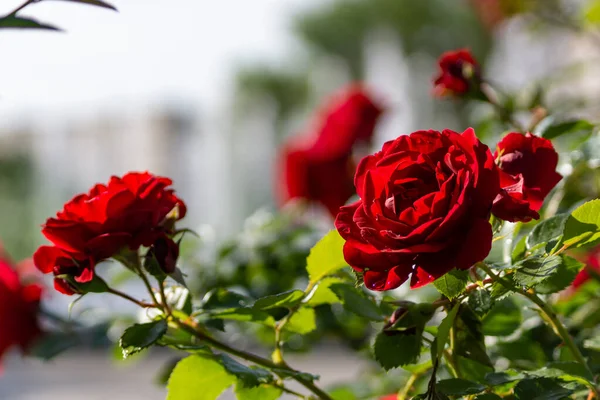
{"x": 150, "y": 50}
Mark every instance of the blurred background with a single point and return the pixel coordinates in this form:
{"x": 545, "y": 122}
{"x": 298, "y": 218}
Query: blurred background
{"x": 207, "y": 92}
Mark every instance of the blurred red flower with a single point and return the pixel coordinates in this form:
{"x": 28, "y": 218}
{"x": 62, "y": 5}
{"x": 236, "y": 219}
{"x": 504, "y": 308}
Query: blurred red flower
{"x": 527, "y": 174}
{"x": 319, "y": 166}
{"x": 458, "y": 74}
{"x": 128, "y": 212}
{"x": 592, "y": 261}
{"x": 19, "y": 306}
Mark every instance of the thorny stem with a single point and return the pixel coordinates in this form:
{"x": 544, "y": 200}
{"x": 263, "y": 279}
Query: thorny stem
{"x": 558, "y": 326}
{"x": 281, "y": 324}
{"x": 504, "y": 114}
{"x": 131, "y": 299}
{"x": 21, "y": 7}
{"x": 263, "y": 362}
{"x": 137, "y": 265}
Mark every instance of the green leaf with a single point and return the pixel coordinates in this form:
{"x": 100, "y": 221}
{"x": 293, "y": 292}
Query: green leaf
{"x": 459, "y": 387}
{"x": 52, "y": 344}
{"x": 548, "y": 230}
{"x": 499, "y": 292}
{"x": 198, "y": 378}
{"x": 469, "y": 339}
{"x": 248, "y": 377}
{"x": 398, "y": 349}
{"x": 500, "y": 378}
{"x": 592, "y": 344}
{"x": 96, "y": 285}
{"x": 540, "y": 389}
{"x": 591, "y": 12}
{"x": 326, "y": 257}
{"x": 140, "y": 336}
{"x": 480, "y": 301}
{"x": 583, "y": 225}
{"x": 355, "y": 302}
{"x": 444, "y": 329}
{"x": 568, "y": 127}
{"x": 287, "y": 299}
{"x": 96, "y": 3}
{"x": 453, "y": 283}
{"x": 302, "y": 321}
{"x": 12, "y": 21}
{"x": 535, "y": 270}
{"x": 263, "y": 392}
{"x": 224, "y": 299}
{"x": 519, "y": 251}
{"x": 503, "y": 319}
{"x": 322, "y": 294}
{"x": 473, "y": 370}
{"x": 488, "y": 396}
{"x": 153, "y": 268}
{"x": 523, "y": 353}
{"x": 245, "y": 314}
{"x": 566, "y": 371}
{"x": 563, "y": 277}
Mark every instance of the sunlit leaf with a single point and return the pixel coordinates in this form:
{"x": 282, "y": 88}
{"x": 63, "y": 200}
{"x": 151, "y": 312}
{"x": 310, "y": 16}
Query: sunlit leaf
{"x": 453, "y": 283}
{"x": 198, "y": 378}
{"x": 326, "y": 257}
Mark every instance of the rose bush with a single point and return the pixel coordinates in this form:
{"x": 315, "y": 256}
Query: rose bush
{"x": 425, "y": 202}
{"x": 127, "y": 213}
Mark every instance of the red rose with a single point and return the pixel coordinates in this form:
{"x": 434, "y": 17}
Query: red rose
{"x": 319, "y": 167}
{"x": 459, "y": 74}
{"x": 390, "y": 397}
{"x": 128, "y": 212}
{"x": 424, "y": 208}
{"x": 527, "y": 174}
{"x": 19, "y": 305}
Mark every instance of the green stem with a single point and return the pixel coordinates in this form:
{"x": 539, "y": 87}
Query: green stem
{"x": 558, "y": 326}
{"x": 281, "y": 324}
{"x": 263, "y": 362}
{"x": 22, "y": 6}
{"x": 406, "y": 389}
{"x": 131, "y": 299}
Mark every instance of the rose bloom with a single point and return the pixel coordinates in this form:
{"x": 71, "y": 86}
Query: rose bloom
{"x": 527, "y": 174}
{"x": 424, "y": 209}
{"x": 390, "y": 397}
{"x": 319, "y": 167}
{"x": 128, "y": 212}
{"x": 458, "y": 74}
{"x": 19, "y": 306}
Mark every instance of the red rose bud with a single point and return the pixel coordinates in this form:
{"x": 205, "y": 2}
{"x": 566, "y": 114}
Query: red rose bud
{"x": 459, "y": 74}
{"x": 527, "y": 174}
{"x": 128, "y": 212}
{"x": 19, "y": 306}
{"x": 424, "y": 209}
{"x": 319, "y": 167}
{"x": 165, "y": 252}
